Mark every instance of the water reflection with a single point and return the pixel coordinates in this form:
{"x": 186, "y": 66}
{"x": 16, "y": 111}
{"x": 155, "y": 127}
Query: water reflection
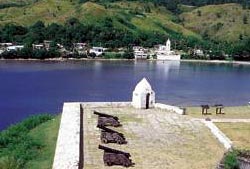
{"x": 168, "y": 67}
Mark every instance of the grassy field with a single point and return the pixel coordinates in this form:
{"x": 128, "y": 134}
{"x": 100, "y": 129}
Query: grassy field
{"x": 241, "y": 112}
{"x": 156, "y": 139}
{"x": 239, "y": 133}
{"x": 47, "y": 134}
{"x": 221, "y": 22}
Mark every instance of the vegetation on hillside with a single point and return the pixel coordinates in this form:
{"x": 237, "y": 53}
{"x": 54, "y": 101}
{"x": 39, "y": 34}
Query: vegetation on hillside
{"x": 227, "y": 23}
{"x": 116, "y": 24}
{"x": 19, "y": 144}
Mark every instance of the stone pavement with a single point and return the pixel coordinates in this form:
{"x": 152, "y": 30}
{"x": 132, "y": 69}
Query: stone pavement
{"x": 156, "y": 138}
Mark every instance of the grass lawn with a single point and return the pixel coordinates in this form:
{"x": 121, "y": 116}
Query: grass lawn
{"x": 47, "y": 134}
{"x": 241, "y": 112}
{"x": 239, "y": 133}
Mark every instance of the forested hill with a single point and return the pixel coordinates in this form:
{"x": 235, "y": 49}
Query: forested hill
{"x": 219, "y": 24}
{"x": 6, "y": 3}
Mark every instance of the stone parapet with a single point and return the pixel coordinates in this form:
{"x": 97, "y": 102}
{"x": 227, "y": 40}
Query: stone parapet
{"x": 218, "y": 134}
{"x": 170, "y": 108}
{"x": 105, "y": 104}
{"x": 67, "y": 153}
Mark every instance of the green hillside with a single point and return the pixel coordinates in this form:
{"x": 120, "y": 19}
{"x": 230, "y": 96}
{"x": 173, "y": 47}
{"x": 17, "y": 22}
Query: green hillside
{"x": 14, "y": 3}
{"x": 227, "y": 22}
{"x": 126, "y": 15}
{"x": 115, "y": 24}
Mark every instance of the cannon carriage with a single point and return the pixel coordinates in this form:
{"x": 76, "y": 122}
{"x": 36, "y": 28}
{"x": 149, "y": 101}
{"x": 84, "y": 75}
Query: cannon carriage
{"x": 116, "y": 157}
{"x": 107, "y": 120}
{"x": 111, "y": 136}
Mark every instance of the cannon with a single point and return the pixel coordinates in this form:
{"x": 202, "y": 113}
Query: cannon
{"x": 107, "y": 120}
{"x": 111, "y": 136}
{"x": 105, "y": 115}
{"x": 219, "y": 108}
{"x": 115, "y": 157}
{"x": 204, "y": 109}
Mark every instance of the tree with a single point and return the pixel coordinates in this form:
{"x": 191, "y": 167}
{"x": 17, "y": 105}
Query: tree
{"x": 25, "y": 53}
{"x": 199, "y": 13}
{"x": 13, "y": 33}
{"x": 245, "y": 20}
{"x": 36, "y": 33}
{"x": 129, "y": 54}
{"x": 240, "y": 37}
{"x": 147, "y": 9}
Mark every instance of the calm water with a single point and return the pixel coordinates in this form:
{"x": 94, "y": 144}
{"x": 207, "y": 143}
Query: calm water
{"x": 41, "y": 87}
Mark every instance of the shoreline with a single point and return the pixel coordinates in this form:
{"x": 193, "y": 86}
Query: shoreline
{"x": 102, "y": 59}
{"x": 217, "y": 61}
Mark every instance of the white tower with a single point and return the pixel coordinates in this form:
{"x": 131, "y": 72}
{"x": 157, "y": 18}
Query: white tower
{"x": 143, "y": 95}
{"x": 168, "y": 45}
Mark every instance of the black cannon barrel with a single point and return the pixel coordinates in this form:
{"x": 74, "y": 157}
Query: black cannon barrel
{"x": 218, "y": 105}
{"x": 110, "y": 150}
{"x": 205, "y": 106}
{"x": 105, "y": 115}
{"x": 108, "y": 129}
{"x": 105, "y": 129}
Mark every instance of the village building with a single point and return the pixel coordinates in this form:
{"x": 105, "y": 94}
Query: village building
{"x": 97, "y": 50}
{"x": 198, "y": 52}
{"x": 140, "y": 52}
{"x": 3, "y": 46}
{"x": 80, "y": 45}
{"x": 45, "y": 45}
{"x": 15, "y": 48}
{"x": 80, "y": 48}
{"x": 38, "y": 46}
{"x": 164, "y": 52}
{"x": 61, "y": 49}
{"x": 143, "y": 95}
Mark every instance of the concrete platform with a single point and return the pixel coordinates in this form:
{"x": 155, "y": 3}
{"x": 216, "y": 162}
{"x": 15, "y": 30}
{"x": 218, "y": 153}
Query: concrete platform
{"x": 156, "y": 138}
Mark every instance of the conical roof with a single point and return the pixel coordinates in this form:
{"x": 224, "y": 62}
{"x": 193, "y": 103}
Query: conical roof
{"x": 143, "y": 86}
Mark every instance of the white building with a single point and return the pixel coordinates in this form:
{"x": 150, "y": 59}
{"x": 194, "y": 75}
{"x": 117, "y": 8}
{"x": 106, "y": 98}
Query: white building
{"x": 140, "y": 52}
{"x": 97, "y": 50}
{"x": 38, "y": 46}
{"x": 164, "y": 52}
{"x": 143, "y": 95}
{"x": 15, "y": 48}
{"x": 80, "y": 48}
{"x": 6, "y": 44}
{"x": 199, "y": 52}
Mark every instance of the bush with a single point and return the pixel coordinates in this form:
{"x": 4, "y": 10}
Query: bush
{"x": 128, "y": 54}
{"x": 231, "y": 161}
{"x": 112, "y": 55}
